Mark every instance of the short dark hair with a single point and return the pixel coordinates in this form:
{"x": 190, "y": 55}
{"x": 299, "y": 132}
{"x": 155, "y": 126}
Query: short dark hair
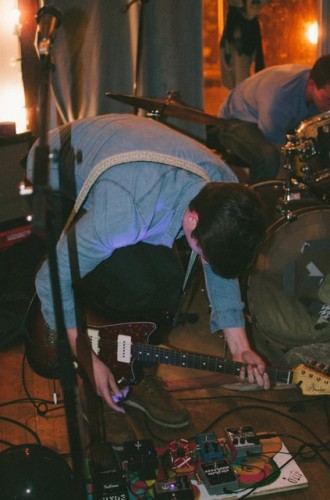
{"x": 320, "y": 72}
{"x": 231, "y": 227}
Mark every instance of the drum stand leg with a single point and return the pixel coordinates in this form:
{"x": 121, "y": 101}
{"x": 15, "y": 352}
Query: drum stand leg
{"x": 288, "y": 151}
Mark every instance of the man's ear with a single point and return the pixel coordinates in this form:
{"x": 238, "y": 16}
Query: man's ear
{"x": 192, "y": 219}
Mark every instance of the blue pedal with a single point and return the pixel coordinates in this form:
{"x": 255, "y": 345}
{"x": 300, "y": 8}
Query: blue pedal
{"x": 209, "y": 448}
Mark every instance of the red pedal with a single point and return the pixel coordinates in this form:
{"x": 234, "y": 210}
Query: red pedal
{"x": 181, "y": 456}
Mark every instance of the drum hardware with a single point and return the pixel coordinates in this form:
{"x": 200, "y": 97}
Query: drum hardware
{"x": 312, "y": 161}
{"x": 313, "y": 125}
{"x": 292, "y": 189}
{"x": 169, "y": 106}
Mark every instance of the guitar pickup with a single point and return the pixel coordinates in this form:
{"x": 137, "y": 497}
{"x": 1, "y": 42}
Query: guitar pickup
{"x": 124, "y": 345}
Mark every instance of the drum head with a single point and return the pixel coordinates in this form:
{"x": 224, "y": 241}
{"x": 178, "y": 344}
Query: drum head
{"x": 284, "y": 289}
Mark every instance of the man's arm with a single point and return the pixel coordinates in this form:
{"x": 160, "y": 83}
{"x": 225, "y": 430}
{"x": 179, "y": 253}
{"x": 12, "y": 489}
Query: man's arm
{"x": 241, "y": 351}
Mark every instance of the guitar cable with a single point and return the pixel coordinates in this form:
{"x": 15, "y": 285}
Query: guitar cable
{"x": 42, "y": 408}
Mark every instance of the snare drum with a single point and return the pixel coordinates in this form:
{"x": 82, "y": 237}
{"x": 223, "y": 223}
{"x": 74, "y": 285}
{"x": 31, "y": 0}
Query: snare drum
{"x": 272, "y": 194}
{"x": 312, "y": 165}
{"x": 285, "y": 280}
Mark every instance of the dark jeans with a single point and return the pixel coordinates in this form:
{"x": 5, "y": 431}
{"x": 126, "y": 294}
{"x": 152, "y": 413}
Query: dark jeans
{"x": 141, "y": 282}
{"x": 248, "y": 143}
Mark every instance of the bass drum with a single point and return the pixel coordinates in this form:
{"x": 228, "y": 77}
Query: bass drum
{"x": 285, "y": 290}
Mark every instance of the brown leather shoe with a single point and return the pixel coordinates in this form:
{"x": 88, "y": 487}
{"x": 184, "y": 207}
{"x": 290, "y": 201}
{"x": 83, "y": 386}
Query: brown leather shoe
{"x": 117, "y": 429}
{"x": 151, "y": 397}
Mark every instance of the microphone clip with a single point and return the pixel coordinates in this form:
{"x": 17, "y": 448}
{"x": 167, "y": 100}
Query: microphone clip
{"x": 48, "y": 19}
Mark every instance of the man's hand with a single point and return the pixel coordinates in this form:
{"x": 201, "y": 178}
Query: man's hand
{"x": 254, "y": 369}
{"x": 99, "y": 374}
{"x": 105, "y": 385}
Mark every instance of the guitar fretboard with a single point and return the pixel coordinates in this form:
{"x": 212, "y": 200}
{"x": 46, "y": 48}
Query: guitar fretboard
{"x": 167, "y": 356}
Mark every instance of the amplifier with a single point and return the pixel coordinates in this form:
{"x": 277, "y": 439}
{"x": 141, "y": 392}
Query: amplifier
{"x": 13, "y": 150}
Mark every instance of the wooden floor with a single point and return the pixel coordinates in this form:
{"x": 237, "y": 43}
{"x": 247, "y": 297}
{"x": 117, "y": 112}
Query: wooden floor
{"x": 28, "y": 414}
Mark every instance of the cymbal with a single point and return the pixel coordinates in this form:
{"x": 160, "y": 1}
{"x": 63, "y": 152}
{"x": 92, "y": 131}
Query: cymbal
{"x": 167, "y": 106}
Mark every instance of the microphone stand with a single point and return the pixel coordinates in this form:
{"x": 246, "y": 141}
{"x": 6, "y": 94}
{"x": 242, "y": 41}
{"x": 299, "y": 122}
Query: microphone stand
{"x": 139, "y": 43}
{"x": 44, "y": 221}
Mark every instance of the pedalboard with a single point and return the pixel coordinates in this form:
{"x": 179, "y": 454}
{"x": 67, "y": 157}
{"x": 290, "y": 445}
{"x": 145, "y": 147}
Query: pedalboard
{"x": 208, "y": 447}
{"x": 243, "y": 440}
{"x": 179, "y": 488}
{"x": 218, "y": 477}
{"x": 207, "y": 459}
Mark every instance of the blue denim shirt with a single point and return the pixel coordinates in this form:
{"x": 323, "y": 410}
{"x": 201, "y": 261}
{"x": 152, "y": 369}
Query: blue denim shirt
{"x": 274, "y": 99}
{"x": 133, "y": 202}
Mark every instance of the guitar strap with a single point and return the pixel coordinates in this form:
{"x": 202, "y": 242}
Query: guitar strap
{"x": 130, "y": 157}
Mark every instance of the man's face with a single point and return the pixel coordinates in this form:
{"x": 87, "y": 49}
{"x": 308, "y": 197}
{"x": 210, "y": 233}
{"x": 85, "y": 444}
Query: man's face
{"x": 321, "y": 98}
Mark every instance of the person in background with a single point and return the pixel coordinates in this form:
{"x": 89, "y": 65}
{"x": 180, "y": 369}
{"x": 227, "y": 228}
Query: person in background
{"x": 163, "y": 186}
{"x": 265, "y": 107}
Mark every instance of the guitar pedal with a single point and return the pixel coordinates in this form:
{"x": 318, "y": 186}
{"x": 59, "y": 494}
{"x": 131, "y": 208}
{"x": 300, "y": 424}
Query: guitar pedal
{"x": 244, "y": 440}
{"x": 218, "y": 477}
{"x": 140, "y": 457}
{"x": 208, "y": 447}
{"x": 181, "y": 457}
{"x": 179, "y": 488}
{"x": 107, "y": 476}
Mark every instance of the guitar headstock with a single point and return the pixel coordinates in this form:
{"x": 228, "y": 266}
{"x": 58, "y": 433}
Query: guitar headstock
{"x": 312, "y": 379}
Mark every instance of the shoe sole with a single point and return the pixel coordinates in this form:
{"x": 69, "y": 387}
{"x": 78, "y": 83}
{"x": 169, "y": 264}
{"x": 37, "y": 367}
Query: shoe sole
{"x": 136, "y": 405}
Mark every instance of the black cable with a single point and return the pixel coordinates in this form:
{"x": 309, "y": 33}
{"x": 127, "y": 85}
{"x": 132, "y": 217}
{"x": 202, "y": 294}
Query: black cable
{"x": 23, "y": 426}
{"x": 43, "y": 407}
{"x": 7, "y": 443}
{"x": 254, "y": 407}
{"x": 250, "y": 398}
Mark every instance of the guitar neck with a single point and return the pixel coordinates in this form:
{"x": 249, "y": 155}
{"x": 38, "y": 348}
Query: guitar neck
{"x": 165, "y": 356}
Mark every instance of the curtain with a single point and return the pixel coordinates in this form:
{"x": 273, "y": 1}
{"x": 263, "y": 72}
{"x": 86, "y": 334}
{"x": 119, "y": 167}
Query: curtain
{"x": 323, "y": 10}
{"x": 96, "y": 51}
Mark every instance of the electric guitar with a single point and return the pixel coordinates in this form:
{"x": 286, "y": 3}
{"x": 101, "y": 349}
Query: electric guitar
{"x": 122, "y": 346}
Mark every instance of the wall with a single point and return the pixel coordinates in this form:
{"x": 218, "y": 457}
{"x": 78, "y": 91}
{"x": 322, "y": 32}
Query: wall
{"x": 283, "y": 24}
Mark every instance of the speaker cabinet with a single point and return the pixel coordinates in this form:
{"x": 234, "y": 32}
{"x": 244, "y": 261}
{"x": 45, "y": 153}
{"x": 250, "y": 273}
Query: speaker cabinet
{"x": 13, "y": 206}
